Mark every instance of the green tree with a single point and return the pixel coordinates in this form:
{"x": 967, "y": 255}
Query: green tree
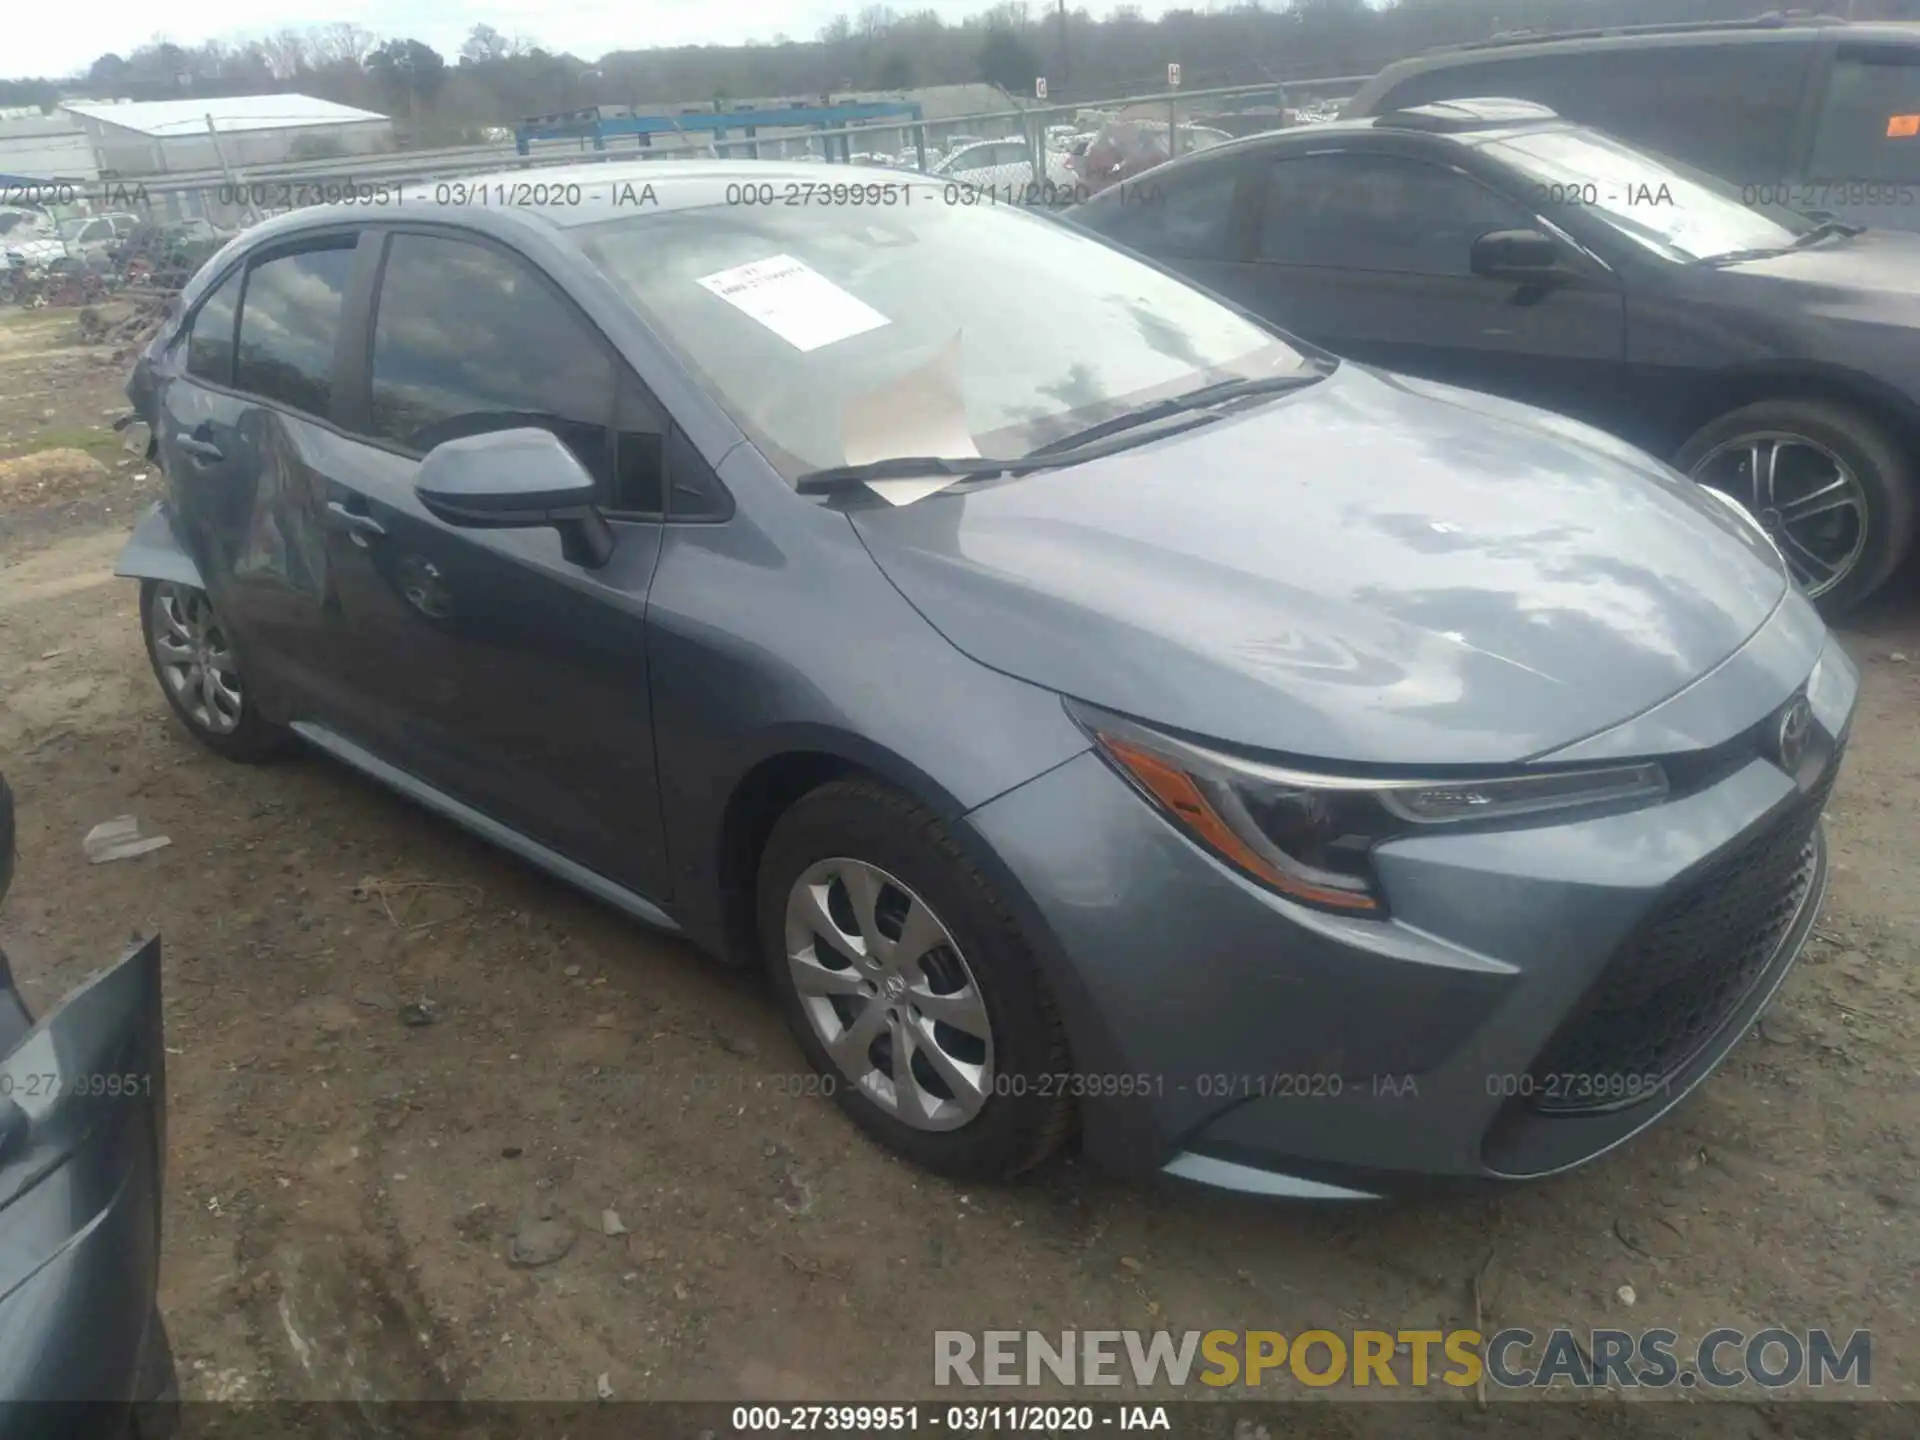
{"x": 896, "y": 72}
{"x": 411, "y": 69}
{"x": 1008, "y": 61}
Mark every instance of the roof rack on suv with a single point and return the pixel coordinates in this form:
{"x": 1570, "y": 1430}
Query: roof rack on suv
{"x": 1453, "y": 117}
{"x": 1772, "y": 20}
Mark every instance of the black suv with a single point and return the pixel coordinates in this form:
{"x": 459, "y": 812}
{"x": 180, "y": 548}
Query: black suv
{"x": 1810, "y": 112}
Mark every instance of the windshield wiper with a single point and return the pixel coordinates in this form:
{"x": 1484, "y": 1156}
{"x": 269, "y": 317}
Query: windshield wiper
{"x": 1218, "y": 393}
{"x": 911, "y": 467}
{"x": 1055, "y": 453}
{"x": 1825, "y": 230}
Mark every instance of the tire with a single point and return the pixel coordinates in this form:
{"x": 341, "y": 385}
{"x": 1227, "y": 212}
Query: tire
{"x": 1019, "y": 1111}
{"x": 237, "y": 731}
{"x": 1874, "y": 458}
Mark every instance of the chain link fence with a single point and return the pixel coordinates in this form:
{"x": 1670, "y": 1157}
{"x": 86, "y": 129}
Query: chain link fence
{"x": 120, "y": 249}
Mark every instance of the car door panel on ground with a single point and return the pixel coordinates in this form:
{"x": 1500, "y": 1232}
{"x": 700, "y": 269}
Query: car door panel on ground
{"x": 1369, "y": 254}
{"x": 483, "y": 661}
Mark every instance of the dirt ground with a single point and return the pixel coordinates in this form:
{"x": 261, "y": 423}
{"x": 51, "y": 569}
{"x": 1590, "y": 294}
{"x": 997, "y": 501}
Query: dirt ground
{"x": 344, "y": 1185}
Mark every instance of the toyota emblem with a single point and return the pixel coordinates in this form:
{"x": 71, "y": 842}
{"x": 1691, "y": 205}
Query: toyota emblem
{"x": 1796, "y": 726}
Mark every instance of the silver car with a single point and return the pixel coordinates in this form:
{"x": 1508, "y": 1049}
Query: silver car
{"x": 1099, "y": 713}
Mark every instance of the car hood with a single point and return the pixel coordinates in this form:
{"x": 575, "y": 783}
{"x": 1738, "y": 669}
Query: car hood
{"x": 1374, "y": 570}
{"x": 1867, "y": 268}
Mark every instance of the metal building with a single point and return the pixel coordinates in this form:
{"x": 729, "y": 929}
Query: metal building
{"x": 156, "y": 137}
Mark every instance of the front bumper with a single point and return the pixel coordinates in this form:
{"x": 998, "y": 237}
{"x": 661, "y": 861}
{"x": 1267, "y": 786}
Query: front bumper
{"x": 1229, "y": 1036}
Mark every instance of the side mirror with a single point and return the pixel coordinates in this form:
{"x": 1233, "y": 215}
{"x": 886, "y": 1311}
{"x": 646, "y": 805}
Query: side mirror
{"x": 1516, "y": 255}
{"x": 516, "y": 480}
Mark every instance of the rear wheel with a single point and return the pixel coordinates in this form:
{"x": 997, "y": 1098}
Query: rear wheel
{"x": 198, "y": 667}
{"x": 909, "y": 987}
{"x": 1829, "y": 483}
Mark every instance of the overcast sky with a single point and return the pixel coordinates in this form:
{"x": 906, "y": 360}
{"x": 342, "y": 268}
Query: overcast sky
{"x": 45, "y": 38}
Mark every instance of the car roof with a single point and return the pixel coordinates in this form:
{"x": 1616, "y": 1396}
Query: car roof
{"x": 1464, "y": 121}
{"x": 607, "y": 190}
{"x": 1770, "y": 29}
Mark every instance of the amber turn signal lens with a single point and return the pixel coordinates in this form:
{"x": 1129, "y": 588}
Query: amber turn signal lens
{"x": 1177, "y": 793}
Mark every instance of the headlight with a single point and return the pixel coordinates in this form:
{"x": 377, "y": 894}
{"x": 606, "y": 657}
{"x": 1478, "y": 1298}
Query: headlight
{"x": 1311, "y": 836}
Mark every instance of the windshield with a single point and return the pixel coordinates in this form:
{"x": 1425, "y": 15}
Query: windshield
{"x": 1664, "y": 204}
{"x": 929, "y": 328}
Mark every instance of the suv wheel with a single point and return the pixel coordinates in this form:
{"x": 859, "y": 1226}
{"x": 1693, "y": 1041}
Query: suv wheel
{"x": 198, "y": 667}
{"x": 1828, "y": 483}
{"x": 908, "y": 986}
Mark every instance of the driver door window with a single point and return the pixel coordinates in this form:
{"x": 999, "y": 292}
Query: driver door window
{"x": 468, "y": 340}
{"x": 1360, "y": 211}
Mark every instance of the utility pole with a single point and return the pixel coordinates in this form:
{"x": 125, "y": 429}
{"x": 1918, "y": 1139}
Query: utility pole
{"x": 1063, "y": 44}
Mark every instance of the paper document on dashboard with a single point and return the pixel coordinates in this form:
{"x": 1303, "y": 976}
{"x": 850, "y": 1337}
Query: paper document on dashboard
{"x": 795, "y": 301}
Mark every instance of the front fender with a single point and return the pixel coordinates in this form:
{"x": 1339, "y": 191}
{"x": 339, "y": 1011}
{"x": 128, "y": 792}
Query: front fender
{"x": 154, "y": 551}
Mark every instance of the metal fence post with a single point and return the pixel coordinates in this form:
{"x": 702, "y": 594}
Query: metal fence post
{"x": 220, "y": 154}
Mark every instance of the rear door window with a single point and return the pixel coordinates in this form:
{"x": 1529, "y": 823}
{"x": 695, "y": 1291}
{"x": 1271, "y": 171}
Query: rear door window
{"x": 1869, "y": 128}
{"x": 210, "y": 341}
{"x": 1185, "y": 218}
{"x": 290, "y": 325}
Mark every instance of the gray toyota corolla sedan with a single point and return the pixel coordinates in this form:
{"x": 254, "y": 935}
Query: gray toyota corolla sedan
{"x": 1099, "y": 712}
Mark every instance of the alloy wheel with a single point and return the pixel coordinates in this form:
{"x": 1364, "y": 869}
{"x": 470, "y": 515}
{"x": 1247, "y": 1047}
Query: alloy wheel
{"x": 1804, "y": 496}
{"x": 195, "y": 658}
{"x": 889, "y": 994}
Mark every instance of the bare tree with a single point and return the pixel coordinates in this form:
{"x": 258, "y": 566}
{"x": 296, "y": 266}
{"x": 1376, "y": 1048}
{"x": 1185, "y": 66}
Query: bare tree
{"x": 483, "y": 43}
{"x": 288, "y": 52}
{"x": 875, "y": 21}
{"x": 343, "y": 43}
{"x": 1007, "y": 15}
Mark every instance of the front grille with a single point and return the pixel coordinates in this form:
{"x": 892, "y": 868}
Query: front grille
{"x": 1687, "y": 967}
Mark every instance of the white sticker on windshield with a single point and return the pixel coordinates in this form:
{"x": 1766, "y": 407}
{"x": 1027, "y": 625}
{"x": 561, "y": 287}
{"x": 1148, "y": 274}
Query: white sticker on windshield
{"x": 795, "y": 301}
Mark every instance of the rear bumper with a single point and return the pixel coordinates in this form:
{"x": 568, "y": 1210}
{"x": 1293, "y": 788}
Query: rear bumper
{"x": 154, "y": 551}
{"x": 1230, "y": 1037}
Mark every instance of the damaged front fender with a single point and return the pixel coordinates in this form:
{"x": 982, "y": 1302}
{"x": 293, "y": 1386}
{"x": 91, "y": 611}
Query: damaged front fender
{"x": 154, "y": 551}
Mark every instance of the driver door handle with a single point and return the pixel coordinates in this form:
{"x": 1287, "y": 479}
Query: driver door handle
{"x": 356, "y": 523}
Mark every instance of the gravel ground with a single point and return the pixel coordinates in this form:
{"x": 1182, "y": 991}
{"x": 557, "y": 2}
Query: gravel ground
{"x": 353, "y": 1194}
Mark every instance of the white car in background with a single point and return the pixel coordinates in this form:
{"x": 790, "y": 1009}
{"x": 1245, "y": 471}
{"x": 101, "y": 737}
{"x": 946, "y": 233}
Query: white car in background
{"x": 1004, "y": 168}
{"x": 81, "y": 239}
{"x": 23, "y": 230}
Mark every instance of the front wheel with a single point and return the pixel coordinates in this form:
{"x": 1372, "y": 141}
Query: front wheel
{"x": 1829, "y": 483}
{"x": 909, "y": 987}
